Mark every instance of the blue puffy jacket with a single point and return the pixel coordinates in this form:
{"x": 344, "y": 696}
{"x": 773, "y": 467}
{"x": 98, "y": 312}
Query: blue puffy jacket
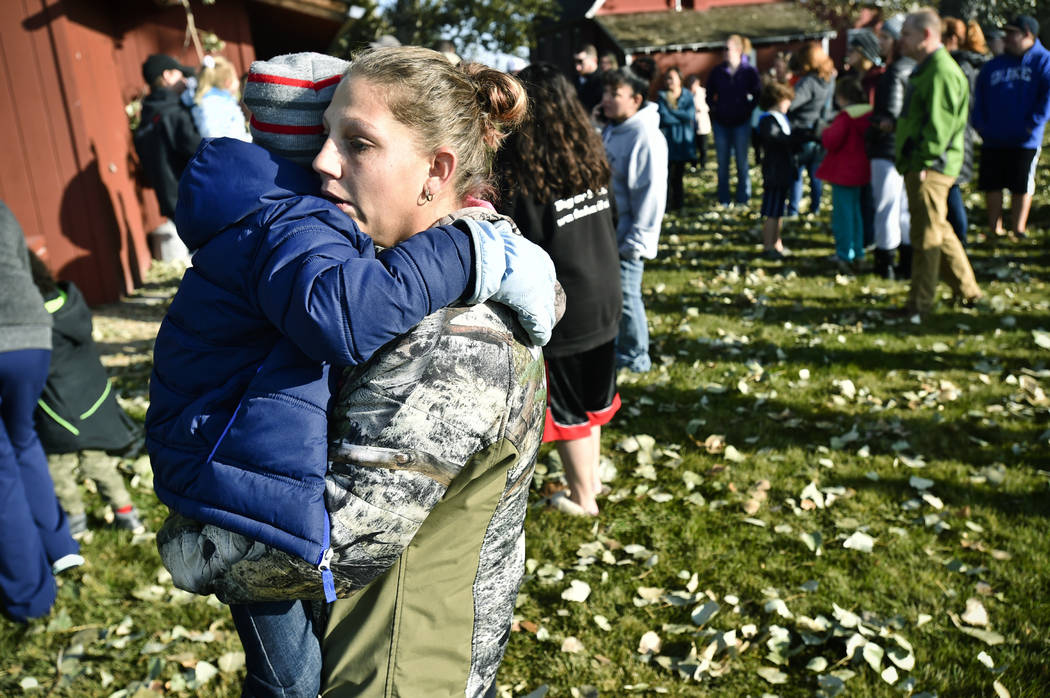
{"x": 281, "y": 283}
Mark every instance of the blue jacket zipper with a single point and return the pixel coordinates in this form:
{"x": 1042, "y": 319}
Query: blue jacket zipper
{"x": 324, "y": 564}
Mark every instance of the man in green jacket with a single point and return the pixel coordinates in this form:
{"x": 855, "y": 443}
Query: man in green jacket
{"x": 929, "y": 154}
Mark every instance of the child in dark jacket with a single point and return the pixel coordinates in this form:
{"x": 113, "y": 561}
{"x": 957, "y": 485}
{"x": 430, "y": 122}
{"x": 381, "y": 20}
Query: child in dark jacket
{"x": 847, "y": 168}
{"x": 779, "y": 164}
{"x": 80, "y": 424}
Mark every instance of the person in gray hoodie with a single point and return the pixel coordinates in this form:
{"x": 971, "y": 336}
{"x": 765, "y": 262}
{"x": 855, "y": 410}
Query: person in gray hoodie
{"x": 35, "y": 543}
{"x": 637, "y": 154}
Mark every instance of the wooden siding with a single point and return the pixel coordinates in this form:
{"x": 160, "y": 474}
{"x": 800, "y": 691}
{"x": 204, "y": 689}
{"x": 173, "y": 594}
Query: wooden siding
{"x": 701, "y": 62}
{"x": 69, "y": 170}
{"x": 613, "y": 7}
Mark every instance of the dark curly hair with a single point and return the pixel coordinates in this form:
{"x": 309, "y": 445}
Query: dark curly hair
{"x": 557, "y": 152}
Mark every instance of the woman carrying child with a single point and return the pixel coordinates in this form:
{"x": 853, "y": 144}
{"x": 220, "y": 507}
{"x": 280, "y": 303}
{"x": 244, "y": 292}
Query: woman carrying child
{"x": 450, "y": 414}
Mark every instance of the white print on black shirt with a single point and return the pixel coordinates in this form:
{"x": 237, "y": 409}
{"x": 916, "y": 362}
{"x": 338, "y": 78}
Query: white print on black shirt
{"x": 1021, "y": 73}
{"x": 581, "y": 206}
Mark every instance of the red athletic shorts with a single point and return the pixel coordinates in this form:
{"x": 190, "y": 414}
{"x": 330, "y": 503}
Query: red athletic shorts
{"x": 581, "y": 393}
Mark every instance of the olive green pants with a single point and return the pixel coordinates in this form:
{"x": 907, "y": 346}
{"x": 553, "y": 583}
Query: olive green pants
{"x": 936, "y": 251}
{"x": 94, "y": 465}
{"x": 410, "y": 632}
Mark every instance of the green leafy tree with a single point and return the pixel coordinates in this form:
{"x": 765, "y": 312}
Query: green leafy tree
{"x": 365, "y": 23}
{"x": 996, "y": 12}
{"x": 492, "y": 24}
{"x": 842, "y": 13}
{"x": 986, "y": 12}
{"x": 495, "y": 25}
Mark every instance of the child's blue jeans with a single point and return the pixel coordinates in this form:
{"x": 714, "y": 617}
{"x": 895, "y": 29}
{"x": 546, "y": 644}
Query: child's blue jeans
{"x": 282, "y": 649}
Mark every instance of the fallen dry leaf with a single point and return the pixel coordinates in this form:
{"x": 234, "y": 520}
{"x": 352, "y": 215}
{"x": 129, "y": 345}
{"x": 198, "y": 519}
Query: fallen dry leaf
{"x": 650, "y": 643}
{"x": 975, "y": 613}
{"x": 578, "y": 591}
{"x": 572, "y": 645}
{"x": 715, "y": 444}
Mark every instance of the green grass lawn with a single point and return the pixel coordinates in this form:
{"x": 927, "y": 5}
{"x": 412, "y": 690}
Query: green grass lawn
{"x": 811, "y": 498}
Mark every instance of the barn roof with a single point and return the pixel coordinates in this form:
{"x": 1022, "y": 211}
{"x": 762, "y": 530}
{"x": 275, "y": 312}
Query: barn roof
{"x": 649, "y": 32}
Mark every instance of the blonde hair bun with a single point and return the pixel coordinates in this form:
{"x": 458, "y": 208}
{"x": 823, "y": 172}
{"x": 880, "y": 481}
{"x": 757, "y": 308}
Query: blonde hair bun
{"x": 502, "y": 99}
{"x": 467, "y": 108}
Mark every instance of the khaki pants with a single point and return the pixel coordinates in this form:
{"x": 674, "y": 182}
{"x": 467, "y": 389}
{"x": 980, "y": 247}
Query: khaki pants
{"x": 95, "y": 465}
{"x": 935, "y": 248}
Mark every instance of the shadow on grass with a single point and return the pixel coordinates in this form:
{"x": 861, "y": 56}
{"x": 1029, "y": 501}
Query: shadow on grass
{"x": 782, "y": 422}
{"x": 1017, "y": 504}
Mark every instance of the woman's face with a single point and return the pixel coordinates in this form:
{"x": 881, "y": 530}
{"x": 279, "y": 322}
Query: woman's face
{"x": 371, "y": 166}
{"x": 733, "y": 52}
{"x": 674, "y": 81}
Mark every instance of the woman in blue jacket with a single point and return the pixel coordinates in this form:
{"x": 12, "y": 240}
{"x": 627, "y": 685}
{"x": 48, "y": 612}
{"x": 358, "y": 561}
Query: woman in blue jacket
{"x": 678, "y": 124}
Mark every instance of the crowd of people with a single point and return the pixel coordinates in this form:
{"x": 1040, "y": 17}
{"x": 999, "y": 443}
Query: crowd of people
{"x": 912, "y": 102}
{"x": 898, "y": 131}
{"x": 385, "y": 277}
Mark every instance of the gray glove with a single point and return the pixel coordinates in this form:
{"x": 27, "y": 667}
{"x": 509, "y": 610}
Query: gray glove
{"x": 515, "y": 272}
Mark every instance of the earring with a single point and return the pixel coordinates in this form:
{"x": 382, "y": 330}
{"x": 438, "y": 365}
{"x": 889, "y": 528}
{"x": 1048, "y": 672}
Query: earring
{"x": 426, "y": 193}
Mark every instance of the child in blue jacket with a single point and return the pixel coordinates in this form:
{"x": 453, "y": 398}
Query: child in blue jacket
{"x": 283, "y": 285}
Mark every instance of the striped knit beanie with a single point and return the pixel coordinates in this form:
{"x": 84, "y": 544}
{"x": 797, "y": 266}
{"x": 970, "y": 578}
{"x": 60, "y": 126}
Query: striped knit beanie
{"x": 287, "y": 96}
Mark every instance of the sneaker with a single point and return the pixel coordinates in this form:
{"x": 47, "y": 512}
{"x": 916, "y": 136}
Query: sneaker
{"x": 904, "y": 312}
{"x": 66, "y": 562}
{"x": 77, "y": 524}
{"x": 129, "y": 521}
{"x": 979, "y": 303}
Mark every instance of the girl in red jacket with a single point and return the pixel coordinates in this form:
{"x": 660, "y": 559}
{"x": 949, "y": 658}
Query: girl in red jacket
{"x": 846, "y": 168}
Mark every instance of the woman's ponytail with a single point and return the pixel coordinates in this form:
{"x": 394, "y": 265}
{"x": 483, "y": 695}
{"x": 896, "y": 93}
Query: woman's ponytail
{"x": 502, "y": 100}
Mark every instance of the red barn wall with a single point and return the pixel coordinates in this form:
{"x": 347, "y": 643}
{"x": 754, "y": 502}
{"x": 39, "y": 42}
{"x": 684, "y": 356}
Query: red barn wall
{"x": 614, "y": 7}
{"x": 69, "y": 171}
{"x": 701, "y": 62}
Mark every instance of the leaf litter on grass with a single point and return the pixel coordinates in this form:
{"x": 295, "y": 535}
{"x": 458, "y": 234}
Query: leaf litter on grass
{"x": 971, "y": 421}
